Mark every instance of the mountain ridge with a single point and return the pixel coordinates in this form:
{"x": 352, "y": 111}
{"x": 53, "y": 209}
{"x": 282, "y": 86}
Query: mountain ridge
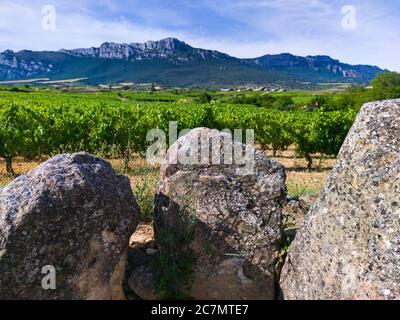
{"x": 173, "y": 62}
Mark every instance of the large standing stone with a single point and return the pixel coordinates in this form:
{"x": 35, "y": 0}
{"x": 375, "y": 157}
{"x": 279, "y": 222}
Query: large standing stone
{"x": 237, "y": 216}
{"x": 73, "y": 213}
{"x": 349, "y": 244}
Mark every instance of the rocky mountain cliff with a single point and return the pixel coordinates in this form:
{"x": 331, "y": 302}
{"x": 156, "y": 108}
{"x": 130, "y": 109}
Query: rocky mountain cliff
{"x": 171, "y": 49}
{"x": 318, "y": 64}
{"x": 173, "y": 62}
{"x": 12, "y": 67}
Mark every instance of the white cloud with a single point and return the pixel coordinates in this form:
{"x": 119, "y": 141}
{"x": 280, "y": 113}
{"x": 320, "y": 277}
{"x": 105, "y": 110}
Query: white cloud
{"x": 72, "y": 29}
{"x": 311, "y": 27}
{"x": 302, "y": 27}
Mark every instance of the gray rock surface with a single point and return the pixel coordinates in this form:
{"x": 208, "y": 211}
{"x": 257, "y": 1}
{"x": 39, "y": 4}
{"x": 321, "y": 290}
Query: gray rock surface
{"x": 294, "y": 212}
{"x": 142, "y": 283}
{"x": 72, "y": 212}
{"x": 165, "y": 49}
{"x": 349, "y": 244}
{"x": 237, "y": 218}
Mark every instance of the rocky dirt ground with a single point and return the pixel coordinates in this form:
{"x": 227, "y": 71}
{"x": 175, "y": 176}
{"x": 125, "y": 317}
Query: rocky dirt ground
{"x": 299, "y": 181}
{"x": 301, "y": 184}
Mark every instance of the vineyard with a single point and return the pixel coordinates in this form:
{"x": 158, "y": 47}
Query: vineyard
{"x": 41, "y": 124}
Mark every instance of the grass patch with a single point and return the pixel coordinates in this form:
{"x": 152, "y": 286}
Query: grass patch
{"x": 300, "y": 190}
{"x": 175, "y": 265}
{"x": 144, "y": 178}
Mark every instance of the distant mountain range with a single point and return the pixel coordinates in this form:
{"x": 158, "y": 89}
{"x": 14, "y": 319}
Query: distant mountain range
{"x": 172, "y": 62}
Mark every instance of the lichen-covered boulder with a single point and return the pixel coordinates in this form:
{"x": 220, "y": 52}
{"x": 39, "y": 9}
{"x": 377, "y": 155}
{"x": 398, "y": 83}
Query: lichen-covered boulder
{"x": 294, "y": 212}
{"x": 142, "y": 283}
{"x": 349, "y": 244}
{"x": 73, "y": 213}
{"x": 235, "y": 215}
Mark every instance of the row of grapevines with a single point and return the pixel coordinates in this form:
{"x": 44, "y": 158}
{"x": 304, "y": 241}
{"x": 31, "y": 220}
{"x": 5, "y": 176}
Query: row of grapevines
{"x": 35, "y": 125}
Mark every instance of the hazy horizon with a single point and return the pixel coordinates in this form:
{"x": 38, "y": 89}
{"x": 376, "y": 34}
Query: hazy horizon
{"x": 356, "y": 32}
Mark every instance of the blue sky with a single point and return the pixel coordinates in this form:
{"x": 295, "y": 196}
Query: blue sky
{"x": 243, "y": 28}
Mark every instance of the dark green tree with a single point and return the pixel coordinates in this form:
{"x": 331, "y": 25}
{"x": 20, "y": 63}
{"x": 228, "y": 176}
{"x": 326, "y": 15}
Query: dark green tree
{"x": 386, "y": 86}
{"x": 204, "y": 97}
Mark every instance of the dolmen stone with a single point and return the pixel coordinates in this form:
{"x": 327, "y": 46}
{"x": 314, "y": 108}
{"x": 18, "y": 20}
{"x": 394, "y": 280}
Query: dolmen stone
{"x": 64, "y": 231}
{"x": 234, "y": 208}
{"x": 349, "y": 245}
